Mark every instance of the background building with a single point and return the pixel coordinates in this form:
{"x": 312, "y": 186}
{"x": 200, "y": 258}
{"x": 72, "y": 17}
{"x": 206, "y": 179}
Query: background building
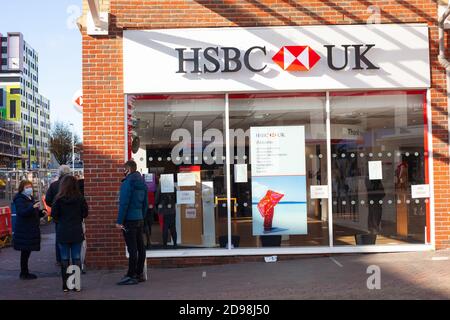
{"x": 10, "y": 143}
{"x": 21, "y": 102}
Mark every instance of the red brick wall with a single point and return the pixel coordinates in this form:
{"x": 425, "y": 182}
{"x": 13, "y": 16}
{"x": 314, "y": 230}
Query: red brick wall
{"x": 103, "y": 122}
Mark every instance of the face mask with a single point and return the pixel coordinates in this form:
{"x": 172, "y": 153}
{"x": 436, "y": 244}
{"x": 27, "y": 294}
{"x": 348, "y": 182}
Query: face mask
{"x": 125, "y": 173}
{"x": 28, "y": 192}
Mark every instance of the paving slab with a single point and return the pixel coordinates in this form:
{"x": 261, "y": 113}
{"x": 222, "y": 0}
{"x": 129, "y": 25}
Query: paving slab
{"x": 417, "y": 275}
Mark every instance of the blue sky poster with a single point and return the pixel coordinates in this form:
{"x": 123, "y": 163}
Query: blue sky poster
{"x": 289, "y": 214}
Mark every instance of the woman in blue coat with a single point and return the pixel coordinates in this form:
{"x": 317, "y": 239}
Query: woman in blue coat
{"x": 27, "y": 233}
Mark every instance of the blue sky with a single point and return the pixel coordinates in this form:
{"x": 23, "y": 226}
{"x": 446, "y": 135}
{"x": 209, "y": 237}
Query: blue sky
{"x": 293, "y": 187}
{"x": 48, "y": 26}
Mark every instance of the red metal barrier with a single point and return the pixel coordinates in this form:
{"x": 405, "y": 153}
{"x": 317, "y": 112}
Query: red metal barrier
{"x": 5, "y": 225}
{"x": 5, "y": 221}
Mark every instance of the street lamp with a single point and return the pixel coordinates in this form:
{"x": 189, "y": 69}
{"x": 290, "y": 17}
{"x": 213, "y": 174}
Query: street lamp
{"x": 73, "y": 151}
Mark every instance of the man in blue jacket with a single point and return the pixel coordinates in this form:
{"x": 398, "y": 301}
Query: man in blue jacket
{"x": 133, "y": 204}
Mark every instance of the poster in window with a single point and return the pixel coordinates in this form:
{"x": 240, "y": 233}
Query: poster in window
{"x": 278, "y": 172}
{"x": 150, "y": 182}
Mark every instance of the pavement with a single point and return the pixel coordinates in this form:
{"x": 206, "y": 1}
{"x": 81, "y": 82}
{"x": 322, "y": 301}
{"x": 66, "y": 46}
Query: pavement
{"x": 418, "y": 275}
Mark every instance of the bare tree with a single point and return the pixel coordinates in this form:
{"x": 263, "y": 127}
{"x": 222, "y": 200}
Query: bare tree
{"x": 61, "y": 142}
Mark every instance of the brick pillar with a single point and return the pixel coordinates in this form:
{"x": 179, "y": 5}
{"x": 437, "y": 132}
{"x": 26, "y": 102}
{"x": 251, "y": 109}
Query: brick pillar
{"x": 104, "y": 143}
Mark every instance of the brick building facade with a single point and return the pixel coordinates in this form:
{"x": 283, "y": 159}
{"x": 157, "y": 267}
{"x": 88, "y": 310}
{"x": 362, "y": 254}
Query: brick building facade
{"x": 104, "y": 100}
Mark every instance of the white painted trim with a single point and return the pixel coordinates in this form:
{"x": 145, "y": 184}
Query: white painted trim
{"x": 430, "y": 171}
{"x": 329, "y": 177}
{"x": 95, "y": 11}
{"x": 287, "y": 250}
{"x": 228, "y": 166}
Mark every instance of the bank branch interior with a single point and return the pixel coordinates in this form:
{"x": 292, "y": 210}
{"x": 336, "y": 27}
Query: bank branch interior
{"x": 298, "y": 176}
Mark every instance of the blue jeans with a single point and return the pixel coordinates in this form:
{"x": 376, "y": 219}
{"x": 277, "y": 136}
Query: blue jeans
{"x": 70, "y": 250}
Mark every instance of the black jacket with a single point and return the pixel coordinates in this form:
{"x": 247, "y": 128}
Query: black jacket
{"x": 81, "y": 186}
{"x": 27, "y": 232}
{"x": 375, "y": 190}
{"x": 52, "y": 192}
{"x": 165, "y": 203}
{"x": 69, "y": 214}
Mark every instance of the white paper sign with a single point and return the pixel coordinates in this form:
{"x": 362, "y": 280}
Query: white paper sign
{"x": 277, "y": 151}
{"x": 186, "y": 197}
{"x": 319, "y": 192}
{"x": 167, "y": 184}
{"x": 186, "y": 179}
{"x": 240, "y": 173}
{"x": 420, "y": 191}
{"x": 191, "y": 213}
{"x": 375, "y": 170}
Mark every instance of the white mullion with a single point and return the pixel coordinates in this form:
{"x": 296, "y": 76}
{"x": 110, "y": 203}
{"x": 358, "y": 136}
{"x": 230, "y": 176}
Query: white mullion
{"x": 228, "y": 165}
{"x": 329, "y": 178}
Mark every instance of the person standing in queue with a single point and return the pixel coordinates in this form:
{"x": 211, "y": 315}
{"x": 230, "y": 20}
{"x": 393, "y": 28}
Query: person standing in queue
{"x": 165, "y": 204}
{"x": 50, "y": 196}
{"x": 27, "y": 233}
{"x": 69, "y": 210}
{"x": 133, "y": 205}
{"x": 80, "y": 179}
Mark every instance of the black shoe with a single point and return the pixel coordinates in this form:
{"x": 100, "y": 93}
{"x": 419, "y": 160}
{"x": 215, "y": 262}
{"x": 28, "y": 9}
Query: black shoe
{"x": 28, "y": 276}
{"x": 64, "y": 275}
{"x": 127, "y": 281}
{"x": 140, "y": 278}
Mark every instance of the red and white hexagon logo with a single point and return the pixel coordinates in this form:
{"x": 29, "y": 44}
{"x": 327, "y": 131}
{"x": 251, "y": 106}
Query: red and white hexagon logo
{"x": 296, "y": 58}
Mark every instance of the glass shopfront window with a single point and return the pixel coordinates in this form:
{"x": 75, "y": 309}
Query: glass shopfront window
{"x": 178, "y": 145}
{"x": 379, "y": 156}
{"x": 278, "y": 171}
{"x": 273, "y": 204}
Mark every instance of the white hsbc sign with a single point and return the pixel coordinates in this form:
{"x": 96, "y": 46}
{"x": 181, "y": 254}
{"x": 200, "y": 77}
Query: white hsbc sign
{"x": 276, "y": 58}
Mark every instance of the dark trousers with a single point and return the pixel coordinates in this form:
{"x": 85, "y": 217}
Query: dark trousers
{"x": 58, "y": 255}
{"x": 24, "y": 256}
{"x": 148, "y": 227}
{"x": 135, "y": 246}
{"x": 169, "y": 223}
{"x": 374, "y": 219}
